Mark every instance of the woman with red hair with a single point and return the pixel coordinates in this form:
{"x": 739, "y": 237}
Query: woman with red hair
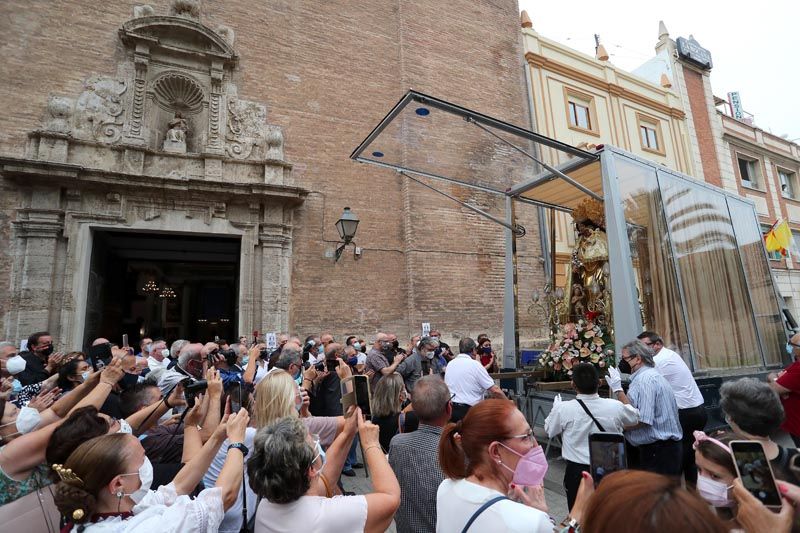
{"x": 494, "y": 470}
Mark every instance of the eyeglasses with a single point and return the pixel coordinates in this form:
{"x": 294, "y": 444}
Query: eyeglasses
{"x": 529, "y": 436}
{"x": 629, "y": 358}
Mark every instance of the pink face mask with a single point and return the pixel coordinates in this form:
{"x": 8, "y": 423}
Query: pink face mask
{"x": 531, "y": 467}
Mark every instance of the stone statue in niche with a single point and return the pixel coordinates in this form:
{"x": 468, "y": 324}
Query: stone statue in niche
{"x": 99, "y": 110}
{"x": 177, "y": 129}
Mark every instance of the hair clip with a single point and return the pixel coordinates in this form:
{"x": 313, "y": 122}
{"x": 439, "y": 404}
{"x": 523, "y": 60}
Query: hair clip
{"x": 66, "y": 474}
{"x": 457, "y": 436}
{"x": 77, "y": 514}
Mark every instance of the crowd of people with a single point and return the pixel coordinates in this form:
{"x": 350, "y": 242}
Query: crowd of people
{"x": 235, "y": 437}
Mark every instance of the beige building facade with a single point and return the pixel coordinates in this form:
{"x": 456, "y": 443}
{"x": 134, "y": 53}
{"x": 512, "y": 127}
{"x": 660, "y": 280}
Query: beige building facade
{"x": 586, "y": 102}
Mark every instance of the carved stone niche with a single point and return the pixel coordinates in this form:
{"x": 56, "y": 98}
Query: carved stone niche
{"x": 178, "y": 67}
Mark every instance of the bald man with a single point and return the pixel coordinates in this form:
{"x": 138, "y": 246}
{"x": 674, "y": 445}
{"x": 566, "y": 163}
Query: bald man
{"x": 377, "y": 361}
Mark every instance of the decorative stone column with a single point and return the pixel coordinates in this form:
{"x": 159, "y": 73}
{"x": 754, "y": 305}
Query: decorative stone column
{"x": 136, "y": 133}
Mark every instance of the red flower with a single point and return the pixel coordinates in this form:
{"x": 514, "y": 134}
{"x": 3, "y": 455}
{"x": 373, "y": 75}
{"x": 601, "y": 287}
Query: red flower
{"x": 591, "y": 315}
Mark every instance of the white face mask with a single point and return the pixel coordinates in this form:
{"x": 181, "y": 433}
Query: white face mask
{"x": 145, "y": 474}
{"x": 165, "y": 353}
{"x": 85, "y": 375}
{"x": 15, "y": 364}
{"x": 124, "y": 427}
{"x": 714, "y": 492}
{"x": 357, "y": 346}
{"x": 27, "y": 419}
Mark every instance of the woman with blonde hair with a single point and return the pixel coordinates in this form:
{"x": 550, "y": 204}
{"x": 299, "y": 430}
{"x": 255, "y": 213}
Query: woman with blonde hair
{"x": 387, "y": 401}
{"x": 276, "y": 396}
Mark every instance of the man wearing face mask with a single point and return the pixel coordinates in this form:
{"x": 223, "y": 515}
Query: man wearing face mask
{"x": 657, "y": 436}
{"x": 38, "y": 367}
{"x": 691, "y": 408}
{"x": 378, "y": 360}
{"x": 787, "y": 384}
{"x": 158, "y": 355}
{"x": 419, "y": 363}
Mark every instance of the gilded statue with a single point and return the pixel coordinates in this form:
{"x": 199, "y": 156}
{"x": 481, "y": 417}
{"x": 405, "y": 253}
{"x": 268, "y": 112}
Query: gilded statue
{"x": 587, "y": 277}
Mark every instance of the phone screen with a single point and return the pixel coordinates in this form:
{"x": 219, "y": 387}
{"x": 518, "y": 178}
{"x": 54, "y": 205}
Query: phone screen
{"x": 361, "y": 387}
{"x": 755, "y": 472}
{"x": 236, "y": 398}
{"x": 607, "y": 454}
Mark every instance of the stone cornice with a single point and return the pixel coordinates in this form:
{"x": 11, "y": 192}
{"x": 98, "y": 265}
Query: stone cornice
{"x": 765, "y": 149}
{"x": 541, "y": 61}
{"x": 73, "y": 176}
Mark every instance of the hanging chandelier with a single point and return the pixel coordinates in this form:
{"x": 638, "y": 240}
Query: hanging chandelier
{"x": 167, "y": 293}
{"x": 150, "y": 287}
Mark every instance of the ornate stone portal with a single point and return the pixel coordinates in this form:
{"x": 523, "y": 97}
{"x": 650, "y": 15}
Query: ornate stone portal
{"x": 163, "y": 145}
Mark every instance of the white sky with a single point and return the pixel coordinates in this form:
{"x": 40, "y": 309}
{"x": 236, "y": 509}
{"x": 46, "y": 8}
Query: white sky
{"x": 754, "y": 45}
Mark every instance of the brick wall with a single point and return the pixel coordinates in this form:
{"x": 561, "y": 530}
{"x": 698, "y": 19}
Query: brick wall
{"x": 328, "y": 71}
{"x": 702, "y": 124}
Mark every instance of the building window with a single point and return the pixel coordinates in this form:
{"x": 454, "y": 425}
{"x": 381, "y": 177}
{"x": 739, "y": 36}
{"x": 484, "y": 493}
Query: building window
{"x": 650, "y": 136}
{"x": 748, "y": 172}
{"x": 787, "y": 180}
{"x": 581, "y": 115}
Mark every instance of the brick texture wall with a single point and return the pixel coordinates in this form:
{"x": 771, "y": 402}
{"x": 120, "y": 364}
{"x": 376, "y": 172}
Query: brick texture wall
{"x": 328, "y": 72}
{"x": 702, "y": 124}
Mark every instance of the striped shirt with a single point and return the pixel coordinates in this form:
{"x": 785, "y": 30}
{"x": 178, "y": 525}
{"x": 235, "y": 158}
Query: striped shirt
{"x": 414, "y": 458}
{"x": 650, "y": 393}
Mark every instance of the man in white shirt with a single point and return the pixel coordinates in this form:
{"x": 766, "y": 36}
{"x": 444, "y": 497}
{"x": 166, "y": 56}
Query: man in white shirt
{"x": 572, "y": 421}
{"x": 157, "y": 355}
{"x": 468, "y": 380}
{"x": 691, "y": 409}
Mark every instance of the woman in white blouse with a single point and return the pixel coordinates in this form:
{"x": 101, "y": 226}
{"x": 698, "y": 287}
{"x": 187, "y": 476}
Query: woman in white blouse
{"x": 288, "y": 471}
{"x": 105, "y": 486}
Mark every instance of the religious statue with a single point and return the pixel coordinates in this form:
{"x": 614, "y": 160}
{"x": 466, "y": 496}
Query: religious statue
{"x": 177, "y": 129}
{"x": 587, "y": 276}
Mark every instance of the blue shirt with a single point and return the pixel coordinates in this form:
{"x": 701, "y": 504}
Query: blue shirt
{"x": 230, "y": 377}
{"x": 651, "y": 394}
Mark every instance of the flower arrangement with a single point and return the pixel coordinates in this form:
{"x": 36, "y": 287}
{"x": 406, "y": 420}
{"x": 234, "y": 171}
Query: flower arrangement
{"x": 584, "y": 341}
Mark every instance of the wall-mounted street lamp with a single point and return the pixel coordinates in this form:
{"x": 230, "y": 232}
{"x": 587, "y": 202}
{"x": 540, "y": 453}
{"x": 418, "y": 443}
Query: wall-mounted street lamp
{"x": 346, "y": 226}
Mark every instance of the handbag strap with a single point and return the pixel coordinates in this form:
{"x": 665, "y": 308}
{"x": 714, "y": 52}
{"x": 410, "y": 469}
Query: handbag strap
{"x": 481, "y": 509}
{"x": 588, "y": 412}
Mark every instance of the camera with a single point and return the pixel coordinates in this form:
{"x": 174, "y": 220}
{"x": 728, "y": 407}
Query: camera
{"x": 191, "y": 388}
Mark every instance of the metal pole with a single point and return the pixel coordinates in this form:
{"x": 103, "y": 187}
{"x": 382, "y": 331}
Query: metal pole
{"x": 545, "y": 165}
{"x": 510, "y": 319}
{"x": 517, "y": 229}
{"x": 553, "y": 249}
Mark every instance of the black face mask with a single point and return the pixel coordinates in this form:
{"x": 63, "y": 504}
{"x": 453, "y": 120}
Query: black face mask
{"x": 624, "y": 366}
{"x": 47, "y": 351}
{"x": 395, "y": 344}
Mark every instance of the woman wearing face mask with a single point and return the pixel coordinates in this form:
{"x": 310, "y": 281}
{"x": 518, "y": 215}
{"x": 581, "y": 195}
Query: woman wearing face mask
{"x": 495, "y": 470}
{"x": 72, "y": 374}
{"x": 488, "y": 358}
{"x": 105, "y": 486}
{"x": 716, "y": 472}
{"x": 276, "y": 396}
{"x": 289, "y": 472}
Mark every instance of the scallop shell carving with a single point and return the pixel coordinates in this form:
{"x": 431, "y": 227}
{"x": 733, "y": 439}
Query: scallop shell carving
{"x": 179, "y": 92}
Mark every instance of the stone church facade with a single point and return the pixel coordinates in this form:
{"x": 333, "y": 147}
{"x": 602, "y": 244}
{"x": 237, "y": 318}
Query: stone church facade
{"x": 234, "y": 121}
